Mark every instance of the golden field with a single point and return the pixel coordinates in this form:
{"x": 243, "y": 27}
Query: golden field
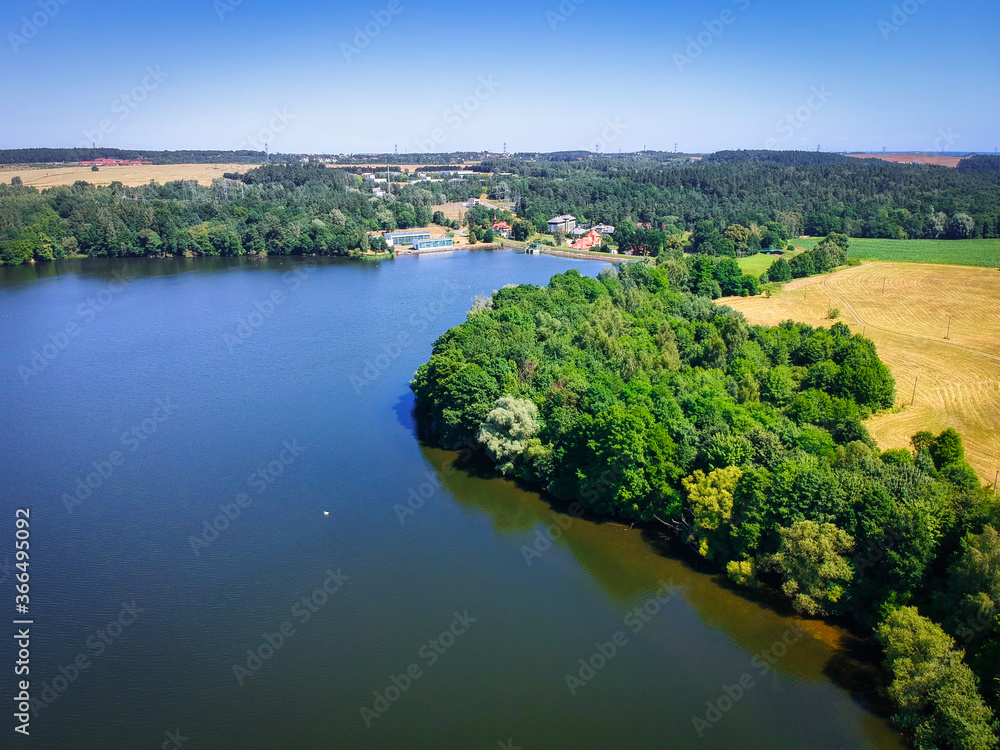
{"x": 957, "y": 378}
{"x": 132, "y": 176}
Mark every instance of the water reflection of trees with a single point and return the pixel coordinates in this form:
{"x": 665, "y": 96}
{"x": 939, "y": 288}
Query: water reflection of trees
{"x": 631, "y": 564}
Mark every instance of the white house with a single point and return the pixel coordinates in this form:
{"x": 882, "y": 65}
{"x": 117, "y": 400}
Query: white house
{"x": 565, "y": 224}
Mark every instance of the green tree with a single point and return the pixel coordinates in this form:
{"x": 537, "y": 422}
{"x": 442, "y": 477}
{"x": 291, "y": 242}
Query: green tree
{"x": 946, "y": 448}
{"x": 974, "y": 587}
{"x": 710, "y": 497}
{"x": 961, "y": 227}
{"x": 507, "y": 431}
{"x": 813, "y": 563}
{"x": 936, "y": 692}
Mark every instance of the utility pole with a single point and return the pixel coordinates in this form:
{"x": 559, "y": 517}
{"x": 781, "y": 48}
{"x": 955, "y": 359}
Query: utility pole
{"x": 995, "y": 479}
{"x": 948, "y": 335}
{"x": 883, "y": 286}
{"x": 914, "y": 398}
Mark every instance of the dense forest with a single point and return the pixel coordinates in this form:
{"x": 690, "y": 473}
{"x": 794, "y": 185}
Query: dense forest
{"x": 732, "y": 204}
{"x": 215, "y": 156}
{"x": 63, "y": 155}
{"x": 980, "y": 162}
{"x": 274, "y": 210}
{"x": 808, "y": 193}
{"x": 748, "y": 444}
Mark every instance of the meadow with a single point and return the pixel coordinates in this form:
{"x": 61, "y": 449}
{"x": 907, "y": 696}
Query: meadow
{"x": 755, "y": 265}
{"x": 944, "y": 378}
{"x": 956, "y": 252}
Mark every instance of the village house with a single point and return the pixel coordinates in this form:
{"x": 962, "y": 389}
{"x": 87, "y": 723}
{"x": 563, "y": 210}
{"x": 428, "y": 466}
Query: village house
{"x": 591, "y": 241}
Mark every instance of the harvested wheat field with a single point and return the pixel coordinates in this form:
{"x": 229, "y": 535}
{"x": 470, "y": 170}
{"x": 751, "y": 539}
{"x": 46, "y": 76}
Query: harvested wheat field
{"x": 957, "y": 379}
{"x": 938, "y": 159}
{"x": 131, "y": 176}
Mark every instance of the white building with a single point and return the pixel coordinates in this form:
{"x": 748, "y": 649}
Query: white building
{"x": 565, "y": 224}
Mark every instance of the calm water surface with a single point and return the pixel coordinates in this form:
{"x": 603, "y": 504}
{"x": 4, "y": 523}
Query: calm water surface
{"x": 278, "y": 389}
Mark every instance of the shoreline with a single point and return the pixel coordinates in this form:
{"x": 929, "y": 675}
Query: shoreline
{"x": 587, "y": 256}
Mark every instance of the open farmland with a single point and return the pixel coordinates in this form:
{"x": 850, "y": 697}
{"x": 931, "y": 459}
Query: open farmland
{"x": 941, "y": 161}
{"x": 957, "y": 379}
{"x": 954, "y": 252}
{"x": 131, "y": 176}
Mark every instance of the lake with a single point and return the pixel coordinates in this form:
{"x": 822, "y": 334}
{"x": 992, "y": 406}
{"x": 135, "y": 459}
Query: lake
{"x": 239, "y": 542}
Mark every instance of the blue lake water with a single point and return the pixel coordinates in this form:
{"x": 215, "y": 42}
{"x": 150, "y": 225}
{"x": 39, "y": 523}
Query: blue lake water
{"x": 180, "y": 430}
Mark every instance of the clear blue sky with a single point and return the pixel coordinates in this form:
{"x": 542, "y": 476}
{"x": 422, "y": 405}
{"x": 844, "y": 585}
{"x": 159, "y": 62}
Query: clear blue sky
{"x": 605, "y": 73}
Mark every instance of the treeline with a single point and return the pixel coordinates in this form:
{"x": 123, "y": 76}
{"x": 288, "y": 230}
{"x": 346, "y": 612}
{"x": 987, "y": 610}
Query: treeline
{"x": 420, "y": 157}
{"x": 59, "y": 155}
{"x": 830, "y": 253}
{"x": 979, "y": 161}
{"x": 856, "y": 197}
{"x": 792, "y": 158}
{"x": 276, "y": 210}
{"x": 748, "y": 444}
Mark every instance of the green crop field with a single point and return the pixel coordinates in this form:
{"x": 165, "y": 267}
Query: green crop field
{"x": 954, "y": 252}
